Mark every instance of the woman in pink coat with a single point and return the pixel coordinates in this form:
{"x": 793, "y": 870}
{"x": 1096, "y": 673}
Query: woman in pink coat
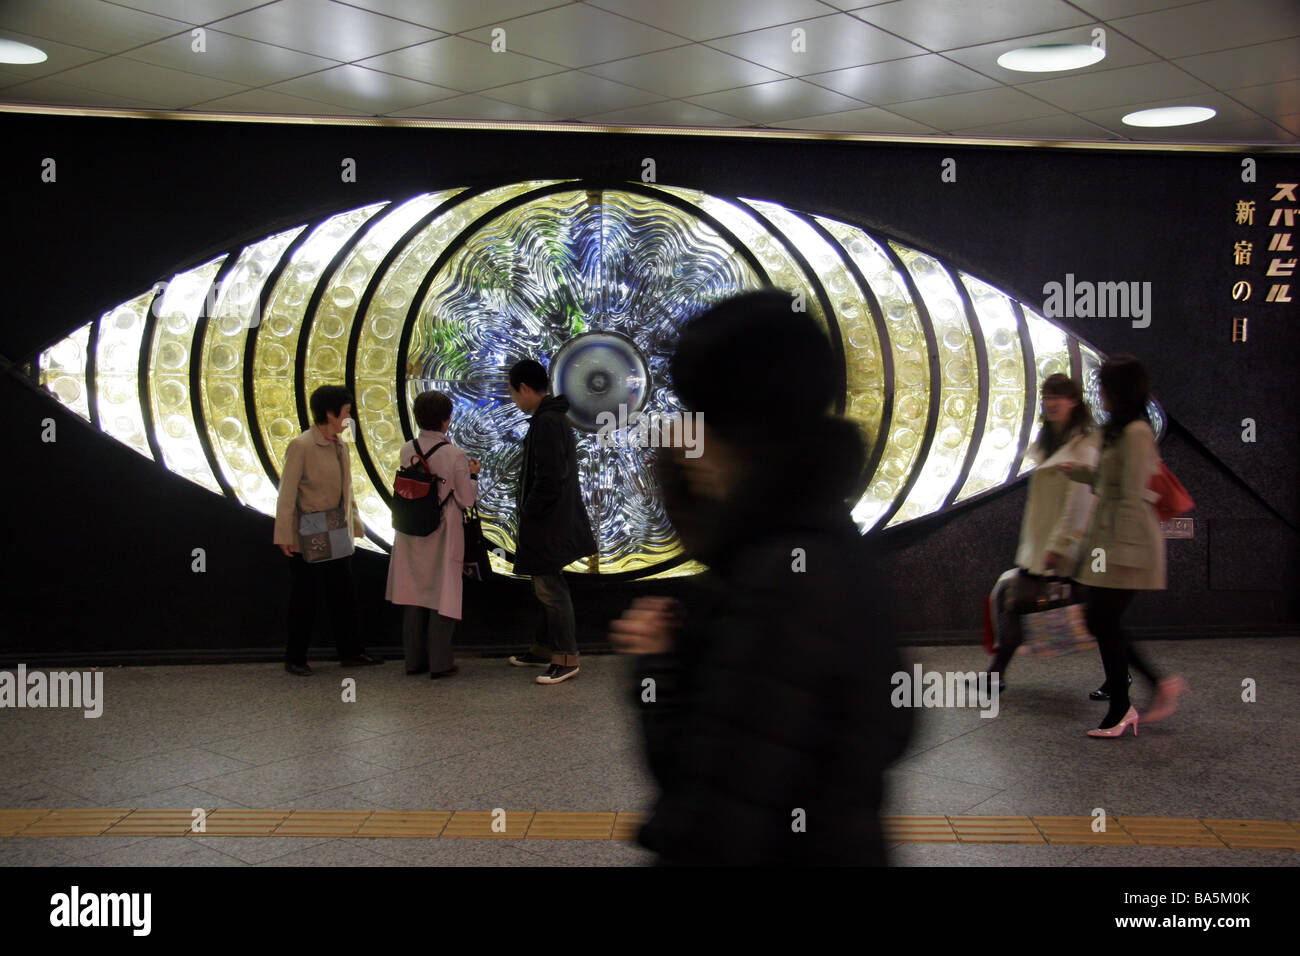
{"x": 424, "y": 573}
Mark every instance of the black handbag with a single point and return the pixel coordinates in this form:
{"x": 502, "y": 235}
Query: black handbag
{"x": 477, "y": 563}
{"x": 417, "y": 511}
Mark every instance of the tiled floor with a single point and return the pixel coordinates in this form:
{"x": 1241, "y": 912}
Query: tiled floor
{"x": 249, "y": 736}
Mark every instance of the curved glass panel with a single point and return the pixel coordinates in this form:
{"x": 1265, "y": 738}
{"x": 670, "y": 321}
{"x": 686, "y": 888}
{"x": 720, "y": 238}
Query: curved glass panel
{"x": 117, "y": 373}
{"x": 222, "y": 370}
{"x": 999, "y": 445}
{"x": 960, "y": 394}
{"x": 170, "y": 359}
{"x": 63, "y": 371}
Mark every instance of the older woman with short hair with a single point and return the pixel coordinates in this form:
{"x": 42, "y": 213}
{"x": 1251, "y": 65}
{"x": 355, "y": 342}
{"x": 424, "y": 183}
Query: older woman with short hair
{"x": 424, "y": 573}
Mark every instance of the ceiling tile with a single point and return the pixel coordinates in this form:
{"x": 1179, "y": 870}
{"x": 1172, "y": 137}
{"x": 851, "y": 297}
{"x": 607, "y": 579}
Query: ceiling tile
{"x": 579, "y": 35}
{"x": 368, "y": 92}
{"x": 52, "y": 92}
{"x": 456, "y": 16}
{"x": 974, "y": 109}
{"x": 1136, "y": 84}
{"x": 669, "y": 113}
{"x": 713, "y": 18}
{"x": 855, "y": 4}
{"x": 191, "y": 11}
{"x": 1246, "y": 66}
{"x": 1291, "y": 122}
{"x": 829, "y": 43}
{"x": 59, "y": 57}
{"x": 232, "y": 58}
{"x": 774, "y": 102}
{"x": 915, "y": 78}
{"x": 269, "y": 101}
{"x": 685, "y": 71}
{"x": 1120, "y": 52}
{"x": 1272, "y": 99}
{"x": 1111, "y": 9}
{"x": 460, "y": 64}
{"x": 1213, "y": 25}
{"x": 572, "y": 94}
{"x": 945, "y": 24}
{"x": 88, "y": 23}
{"x": 1051, "y": 128}
{"x": 475, "y": 107}
{"x": 168, "y": 89}
{"x": 871, "y": 120}
{"x": 327, "y": 29}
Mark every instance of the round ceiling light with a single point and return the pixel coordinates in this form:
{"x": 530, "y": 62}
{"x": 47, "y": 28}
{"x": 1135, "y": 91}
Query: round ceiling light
{"x": 1169, "y": 116}
{"x": 1051, "y": 57}
{"x": 11, "y": 51}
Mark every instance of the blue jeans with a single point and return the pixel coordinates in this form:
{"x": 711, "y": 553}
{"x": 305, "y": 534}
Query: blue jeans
{"x": 558, "y": 635}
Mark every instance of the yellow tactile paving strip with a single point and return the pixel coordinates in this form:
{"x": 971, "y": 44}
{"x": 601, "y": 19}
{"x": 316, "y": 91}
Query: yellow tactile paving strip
{"x": 541, "y": 825}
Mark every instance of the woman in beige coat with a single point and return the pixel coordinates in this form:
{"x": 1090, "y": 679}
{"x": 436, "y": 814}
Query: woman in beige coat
{"x": 1124, "y": 550}
{"x": 424, "y": 573}
{"x": 1056, "y": 511}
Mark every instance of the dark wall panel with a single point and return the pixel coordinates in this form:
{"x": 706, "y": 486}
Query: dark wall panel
{"x": 101, "y": 539}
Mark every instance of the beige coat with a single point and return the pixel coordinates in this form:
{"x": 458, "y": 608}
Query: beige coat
{"x": 317, "y": 473}
{"x": 1058, "y": 509}
{"x": 427, "y": 571}
{"x": 1124, "y": 526}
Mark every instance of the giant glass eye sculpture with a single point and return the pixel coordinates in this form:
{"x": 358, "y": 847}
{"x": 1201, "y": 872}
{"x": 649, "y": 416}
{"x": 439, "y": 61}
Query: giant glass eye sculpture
{"x": 208, "y": 373}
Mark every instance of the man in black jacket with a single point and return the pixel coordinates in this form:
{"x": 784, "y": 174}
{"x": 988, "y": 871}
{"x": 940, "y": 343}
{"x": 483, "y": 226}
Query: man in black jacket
{"x": 554, "y": 529}
{"x": 765, "y": 697}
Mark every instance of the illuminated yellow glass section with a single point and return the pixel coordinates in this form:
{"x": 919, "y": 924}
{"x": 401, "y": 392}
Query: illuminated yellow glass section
{"x": 221, "y": 372}
{"x": 911, "y": 384}
{"x": 781, "y": 268}
{"x": 276, "y": 345}
{"x": 63, "y": 371}
{"x": 381, "y": 328}
{"x": 169, "y": 379}
{"x": 959, "y": 384}
{"x": 1051, "y": 349}
{"x": 1000, "y": 442}
{"x": 863, "y": 365}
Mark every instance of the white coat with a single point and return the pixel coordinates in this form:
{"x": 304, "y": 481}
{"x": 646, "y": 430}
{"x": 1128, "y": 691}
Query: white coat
{"x": 1058, "y": 509}
{"x": 426, "y": 572}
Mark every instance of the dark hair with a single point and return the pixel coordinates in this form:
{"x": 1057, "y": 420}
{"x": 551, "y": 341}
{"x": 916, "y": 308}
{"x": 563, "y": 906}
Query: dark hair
{"x": 722, "y": 353}
{"x": 326, "y": 399}
{"x": 530, "y": 373}
{"x": 1080, "y": 423}
{"x": 431, "y": 410}
{"x": 1126, "y": 384}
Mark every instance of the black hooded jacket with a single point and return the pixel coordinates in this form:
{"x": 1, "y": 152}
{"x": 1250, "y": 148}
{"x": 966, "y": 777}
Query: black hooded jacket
{"x": 554, "y": 529}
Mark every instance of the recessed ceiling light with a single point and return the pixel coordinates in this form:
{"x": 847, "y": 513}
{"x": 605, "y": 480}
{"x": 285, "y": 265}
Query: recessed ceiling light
{"x": 1169, "y": 116}
{"x": 1051, "y": 57}
{"x": 11, "y": 51}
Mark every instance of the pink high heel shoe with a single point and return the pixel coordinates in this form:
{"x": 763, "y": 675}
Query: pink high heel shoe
{"x": 1118, "y": 730}
{"x": 1168, "y": 690}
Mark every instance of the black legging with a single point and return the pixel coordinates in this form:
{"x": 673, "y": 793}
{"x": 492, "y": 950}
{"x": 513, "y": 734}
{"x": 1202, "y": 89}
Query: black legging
{"x": 1105, "y": 608}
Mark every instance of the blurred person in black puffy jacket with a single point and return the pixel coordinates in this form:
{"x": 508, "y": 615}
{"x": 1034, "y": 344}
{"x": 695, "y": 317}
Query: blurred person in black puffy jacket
{"x": 770, "y": 725}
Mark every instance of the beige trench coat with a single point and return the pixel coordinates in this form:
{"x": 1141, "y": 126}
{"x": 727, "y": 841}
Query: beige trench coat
{"x": 427, "y": 571}
{"x": 317, "y": 476}
{"x": 1124, "y": 526}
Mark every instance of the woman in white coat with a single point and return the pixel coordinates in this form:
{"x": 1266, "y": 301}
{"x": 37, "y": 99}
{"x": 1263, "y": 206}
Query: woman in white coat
{"x": 1056, "y": 512}
{"x": 424, "y": 573}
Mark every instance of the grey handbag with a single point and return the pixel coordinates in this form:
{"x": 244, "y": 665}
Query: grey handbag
{"x": 326, "y": 535}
